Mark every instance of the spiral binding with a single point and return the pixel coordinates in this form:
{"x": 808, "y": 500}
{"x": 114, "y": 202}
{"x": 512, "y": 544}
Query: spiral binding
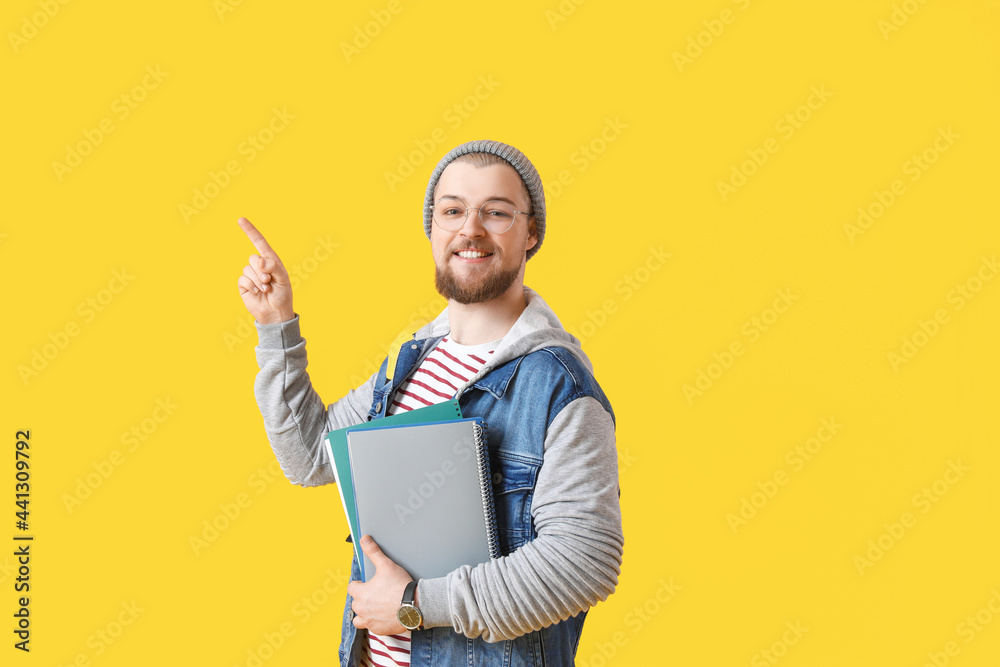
{"x": 486, "y": 489}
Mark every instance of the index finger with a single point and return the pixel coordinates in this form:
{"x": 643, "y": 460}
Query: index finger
{"x": 256, "y": 238}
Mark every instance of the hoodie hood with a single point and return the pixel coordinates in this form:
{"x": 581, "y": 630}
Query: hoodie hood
{"x": 537, "y": 327}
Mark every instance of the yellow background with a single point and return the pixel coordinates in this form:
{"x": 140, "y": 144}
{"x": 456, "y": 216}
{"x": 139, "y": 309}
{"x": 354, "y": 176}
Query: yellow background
{"x": 660, "y": 134}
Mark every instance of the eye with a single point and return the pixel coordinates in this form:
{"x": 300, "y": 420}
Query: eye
{"x": 498, "y": 210}
{"x": 450, "y": 208}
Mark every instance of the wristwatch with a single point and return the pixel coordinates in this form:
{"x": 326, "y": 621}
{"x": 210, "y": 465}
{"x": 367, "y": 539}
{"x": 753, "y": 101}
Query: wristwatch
{"x": 408, "y": 615}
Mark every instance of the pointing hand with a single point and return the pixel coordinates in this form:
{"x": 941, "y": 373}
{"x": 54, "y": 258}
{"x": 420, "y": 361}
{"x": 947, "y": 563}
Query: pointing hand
{"x": 264, "y": 285}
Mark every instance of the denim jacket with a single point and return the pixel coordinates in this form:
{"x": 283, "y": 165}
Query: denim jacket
{"x": 519, "y": 400}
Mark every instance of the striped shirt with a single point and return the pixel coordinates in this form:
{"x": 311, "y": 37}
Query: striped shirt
{"x": 447, "y": 367}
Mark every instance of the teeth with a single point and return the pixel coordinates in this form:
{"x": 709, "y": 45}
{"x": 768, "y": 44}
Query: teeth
{"x": 472, "y": 254}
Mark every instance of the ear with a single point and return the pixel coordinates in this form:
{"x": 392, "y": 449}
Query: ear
{"x": 532, "y": 234}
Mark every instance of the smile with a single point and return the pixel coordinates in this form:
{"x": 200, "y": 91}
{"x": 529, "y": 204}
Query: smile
{"x": 472, "y": 254}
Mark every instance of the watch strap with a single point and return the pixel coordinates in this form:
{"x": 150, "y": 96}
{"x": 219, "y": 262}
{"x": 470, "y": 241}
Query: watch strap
{"x": 409, "y": 592}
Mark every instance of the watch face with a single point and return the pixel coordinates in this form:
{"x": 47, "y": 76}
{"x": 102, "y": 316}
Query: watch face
{"x": 409, "y": 616}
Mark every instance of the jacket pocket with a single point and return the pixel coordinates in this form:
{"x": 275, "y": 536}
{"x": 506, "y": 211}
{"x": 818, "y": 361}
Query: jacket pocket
{"x": 514, "y": 479}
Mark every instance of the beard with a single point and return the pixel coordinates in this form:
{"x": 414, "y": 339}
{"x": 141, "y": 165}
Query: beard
{"x": 488, "y": 287}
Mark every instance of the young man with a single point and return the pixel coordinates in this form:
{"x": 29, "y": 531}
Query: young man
{"x": 502, "y": 352}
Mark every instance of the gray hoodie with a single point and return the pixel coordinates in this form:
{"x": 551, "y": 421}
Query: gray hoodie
{"x": 573, "y": 562}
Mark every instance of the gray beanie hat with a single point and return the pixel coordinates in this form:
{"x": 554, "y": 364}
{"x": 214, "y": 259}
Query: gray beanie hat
{"x": 516, "y": 159}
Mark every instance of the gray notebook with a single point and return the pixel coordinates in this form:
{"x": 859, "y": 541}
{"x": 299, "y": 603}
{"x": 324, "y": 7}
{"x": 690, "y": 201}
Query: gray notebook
{"x": 425, "y": 494}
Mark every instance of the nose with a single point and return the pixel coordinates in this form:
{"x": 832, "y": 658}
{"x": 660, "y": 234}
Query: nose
{"x": 473, "y": 225}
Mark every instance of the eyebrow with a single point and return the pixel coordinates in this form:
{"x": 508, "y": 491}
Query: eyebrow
{"x": 490, "y": 198}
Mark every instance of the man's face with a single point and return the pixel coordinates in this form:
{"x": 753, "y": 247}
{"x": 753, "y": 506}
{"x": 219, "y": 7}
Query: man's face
{"x": 479, "y": 279}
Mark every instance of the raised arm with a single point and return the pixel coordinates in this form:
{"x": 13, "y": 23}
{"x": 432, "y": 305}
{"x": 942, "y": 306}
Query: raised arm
{"x": 295, "y": 418}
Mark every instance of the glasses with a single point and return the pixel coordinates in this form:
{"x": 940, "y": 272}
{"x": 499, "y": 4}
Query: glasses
{"x": 497, "y": 216}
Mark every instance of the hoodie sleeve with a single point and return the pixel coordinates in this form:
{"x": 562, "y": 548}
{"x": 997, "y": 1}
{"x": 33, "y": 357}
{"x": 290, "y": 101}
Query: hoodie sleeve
{"x": 295, "y": 418}
{"x": 575, "y": 560}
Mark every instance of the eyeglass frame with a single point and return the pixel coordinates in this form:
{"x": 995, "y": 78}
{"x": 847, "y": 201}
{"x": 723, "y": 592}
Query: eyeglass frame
{"x": 479, "y": 212}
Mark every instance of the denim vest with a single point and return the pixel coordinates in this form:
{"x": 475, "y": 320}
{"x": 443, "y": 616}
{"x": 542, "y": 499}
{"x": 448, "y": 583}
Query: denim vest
{"x": 518, "y": 400}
